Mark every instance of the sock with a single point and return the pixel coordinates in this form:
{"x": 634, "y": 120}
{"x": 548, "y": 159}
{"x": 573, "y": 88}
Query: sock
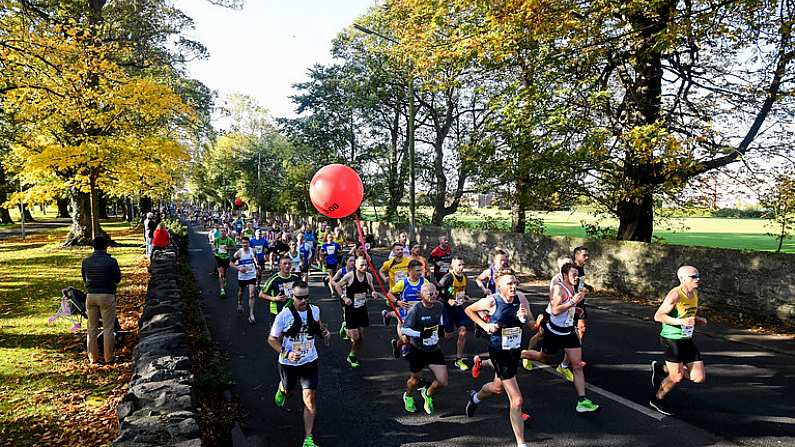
{"x": 475, "y": 398}
{"x": 581, "y": 398}
{"x": 521, "y": 445}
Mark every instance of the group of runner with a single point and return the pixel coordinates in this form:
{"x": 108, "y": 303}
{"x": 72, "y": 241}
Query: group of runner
{"x": 428, "y": 300}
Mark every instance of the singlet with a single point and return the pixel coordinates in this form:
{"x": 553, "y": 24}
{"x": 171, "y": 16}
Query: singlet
{"x": 259, "y": 246}
{"x": 246, "y": 260}
{"x": 492, "y": 284}
{"x": 562, "y": 323}
{"x": 295, "y": 261}
{"x": 685, "y": 307}
{"x": 411, "y": 292}
{"x": 456, "y": 289}
{"x": 357, "y": 291}
{"x": 509, "y": 335}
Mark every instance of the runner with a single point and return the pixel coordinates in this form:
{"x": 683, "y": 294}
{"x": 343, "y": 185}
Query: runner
{"x": 509, "y": 312}
{"x": 245, "y": 262}
{"x": 339, "y": 236}
{"x": 330, "y": 251}
{"x": 248, "y": 231}
{"x": 272, "y": 236}
{"x": 559, "y": 333}
{"x": 306, "y": 256}
{"x": 441, "y": 257}
{"x": 415, "y": 254}
{"x": 453, "y": 290}
{"x": 395, "y": 269}
{"x": 279, "y": 287}
{"x": 260, "y": 246}
{"x": 310, "y": 240}
{"x": 293, "y": 336}
{"x": 403, "y": 239}
{"x": 677, "y": 314}
{"x": 423, "y": 328}
{"x": 348, "y": 267}
{"x": 486, "y": 281}
{"x": 405, "y": 294}
{"x": 238, "y": 224}
{"x": 223, "y": 245}
{"x": 355, "y": 285}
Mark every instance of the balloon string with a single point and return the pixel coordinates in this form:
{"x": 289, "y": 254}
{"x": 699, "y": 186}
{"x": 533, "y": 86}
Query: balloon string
{"x": 372, "y": 268}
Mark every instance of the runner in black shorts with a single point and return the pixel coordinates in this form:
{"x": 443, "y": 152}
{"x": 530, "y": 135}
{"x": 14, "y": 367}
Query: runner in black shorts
{"x": 423, "y": 327}
{"x": 293, "y": 336}
{"x": 358, "y": 285}
{"x": 508, "y": 312}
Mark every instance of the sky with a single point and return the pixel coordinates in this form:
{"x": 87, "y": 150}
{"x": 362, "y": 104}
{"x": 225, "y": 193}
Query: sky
{"x": 267, "y": 46}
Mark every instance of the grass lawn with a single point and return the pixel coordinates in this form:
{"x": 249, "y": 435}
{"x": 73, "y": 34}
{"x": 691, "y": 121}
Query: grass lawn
{"x": 50, "y": 213}
{"x": 744, "y": 234}
{"x": 48, "y": 393}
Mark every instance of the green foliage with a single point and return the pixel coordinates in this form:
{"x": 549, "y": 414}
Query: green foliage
{"x": 595, "y": 231}
{"x": 738, "y": 213}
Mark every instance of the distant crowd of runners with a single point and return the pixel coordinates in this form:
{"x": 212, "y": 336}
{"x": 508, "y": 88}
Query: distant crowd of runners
{"x": 427, "y": 299}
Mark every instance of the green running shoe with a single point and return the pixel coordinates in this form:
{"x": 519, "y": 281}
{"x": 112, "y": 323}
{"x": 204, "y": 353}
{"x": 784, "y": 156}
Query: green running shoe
{"x": 586, "y": 406}
{"x": 527, "y": 364}
{"x": 279, "y": 398}
{"x": 408, "y": 402}
{"x": 565, "y": 372}
{"x": 353, "y": 360}
{"x": 428, "y": 406}
{"x": 460, "y": 364}
{"x": 309, "y": 442}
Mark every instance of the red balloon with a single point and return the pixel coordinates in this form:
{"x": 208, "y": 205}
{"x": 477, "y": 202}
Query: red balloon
{"x": 238, "y": 202}
{"x": 336, "y": 191}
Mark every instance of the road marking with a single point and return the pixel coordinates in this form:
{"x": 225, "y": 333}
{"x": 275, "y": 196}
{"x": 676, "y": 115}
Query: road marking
{"x": 612, "y": 396}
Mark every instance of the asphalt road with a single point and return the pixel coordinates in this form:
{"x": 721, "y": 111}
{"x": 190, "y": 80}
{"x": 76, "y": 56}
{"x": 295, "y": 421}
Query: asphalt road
{"x": 747, "y": 399}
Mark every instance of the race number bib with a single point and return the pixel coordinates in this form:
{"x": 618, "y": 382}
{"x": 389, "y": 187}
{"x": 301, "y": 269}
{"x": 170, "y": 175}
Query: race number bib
{"x": 222, "y": 249}
{"x": 687, "y": 330}
{"x": 433, "y": 340}
{"x": 460, "y": 297}
{"x": 287, "y": 290}
{"x": 359, "y": 299}
{"x": 302, "y": 344}
{"x": 258, "y": 249}
{"x": 331, "y": 249}
{"x": 511, "y": 337}
{"x": 400, "y": 275}
{"x": 444, "y": 267}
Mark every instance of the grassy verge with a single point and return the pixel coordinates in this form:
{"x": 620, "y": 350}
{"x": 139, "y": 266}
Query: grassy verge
{"x": 49, "y": 395}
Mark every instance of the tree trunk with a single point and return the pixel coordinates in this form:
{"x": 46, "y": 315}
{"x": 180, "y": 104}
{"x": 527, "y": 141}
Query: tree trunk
{"x": 636, "y": 218}
{"x": 80, "y": 233}
{"x": 63, "y": 207}
{"x": 102, "y": 205}
{"x": 28, "y": 217}
{"x": 5, "y": 215}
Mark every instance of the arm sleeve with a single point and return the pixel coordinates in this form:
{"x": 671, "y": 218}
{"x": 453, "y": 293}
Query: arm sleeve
{"x": 410, "y": 332}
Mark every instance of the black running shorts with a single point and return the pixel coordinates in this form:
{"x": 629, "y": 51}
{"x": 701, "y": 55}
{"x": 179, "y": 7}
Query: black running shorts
{"x": 306, "y": 374}
{"x": 419, "y": 359}
{"x": 505, "y": 362}
{"x": 681, "y": 350}
{"x": 554, "y": 343}
{"x": 356, "y": 317}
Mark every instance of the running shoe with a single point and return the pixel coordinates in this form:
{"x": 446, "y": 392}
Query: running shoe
{"x": 239, "y": 308}
{"x": 660, "y": 405}
{"x": 657, "y": 375}
{"x": 460, "y": 364}
{"x": 527, "y": 364}
{"x": 309, "y": 442}
{"x": 525, "y": 416}
{"x": 251, "y": 320}
{"x": 428, "y": 406}
{"x": 385, "y": 317}
{"x": 404, "y": 350}
{"x": 223, "y": 293}
{"x": 471, "y": 405}
{"x": 353, "y": 360}
{"x": 586, "y": 406}
{"x": 279, "y": 398}
{"x": 395, "y": 348}
{"x": 565, "y": 372}
{"x": 477, "y": 363}
{"x": 343, "y": 331}
{"x": 408, "y": 402}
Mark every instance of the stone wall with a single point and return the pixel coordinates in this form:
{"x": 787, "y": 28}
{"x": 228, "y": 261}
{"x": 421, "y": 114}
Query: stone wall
{"x": 753, "y": 283}
{"x": 160, "y": 408}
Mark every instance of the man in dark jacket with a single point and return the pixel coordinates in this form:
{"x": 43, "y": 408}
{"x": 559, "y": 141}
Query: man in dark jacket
{"x": 101, "y": 274}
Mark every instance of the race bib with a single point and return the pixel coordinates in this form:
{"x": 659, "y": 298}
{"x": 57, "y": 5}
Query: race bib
{"x": 222, "y": 249}
{"x": 287, "y": 290}
{"x": 687, "y": 330}
{"x": 302, "y": 344}
{"x": 258, "y": 249}
{"x": 434, "y": 337}
{"x": 444, "y": 267}
{"x": 511, "y": 337}
{"x": 331, "y": 249}
{"x": 460, "y": 297}
{"x": 400, "y": 275}
{"x": 359, "y": 299}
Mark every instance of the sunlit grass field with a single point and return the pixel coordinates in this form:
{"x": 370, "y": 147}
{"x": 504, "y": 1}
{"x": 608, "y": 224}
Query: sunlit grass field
{"x": 743, "y": 234}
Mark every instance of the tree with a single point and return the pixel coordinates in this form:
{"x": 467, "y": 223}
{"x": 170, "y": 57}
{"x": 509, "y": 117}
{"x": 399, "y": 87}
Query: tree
{"x": 670, "y": 89}
{"x": 779, "y": 200}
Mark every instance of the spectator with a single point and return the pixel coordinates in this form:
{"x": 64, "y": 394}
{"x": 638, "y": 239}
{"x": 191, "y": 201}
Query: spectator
{"x": 149, "y": 232}
{"x": 101, "y": 274}
{"x": 161, "y": 237}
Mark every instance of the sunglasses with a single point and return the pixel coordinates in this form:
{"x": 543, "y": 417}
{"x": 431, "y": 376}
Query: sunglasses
{"x": 300, "y": 297}
{"x": 695, "y": 276}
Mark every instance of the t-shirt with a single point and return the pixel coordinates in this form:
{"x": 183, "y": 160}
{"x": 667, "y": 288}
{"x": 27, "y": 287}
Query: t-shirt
{"x": 427, "y": 321}
{"x": 281, "y": 247}
{"x": 306, "y": 254}
{"x": 452, "y": 286}
{"x": 397, "y": 270}
{"x": 260, "y": 246}
{"x": 245, "y": 259}
{"x": 441, "y": 259}
{"x": 223, "y": 247}
{"x": 301, "y": 342}
{"x": 247, "y": 232}
{"x": 332, "y": 252}
{"x": 278, "y": 285}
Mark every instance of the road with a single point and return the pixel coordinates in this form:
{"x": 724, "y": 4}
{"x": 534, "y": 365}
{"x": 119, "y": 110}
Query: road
{"x": 747, "y": 399}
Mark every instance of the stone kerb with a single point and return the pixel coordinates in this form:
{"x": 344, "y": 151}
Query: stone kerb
{"x": 761, "y": 284}
{"x": 160, "y": 407}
